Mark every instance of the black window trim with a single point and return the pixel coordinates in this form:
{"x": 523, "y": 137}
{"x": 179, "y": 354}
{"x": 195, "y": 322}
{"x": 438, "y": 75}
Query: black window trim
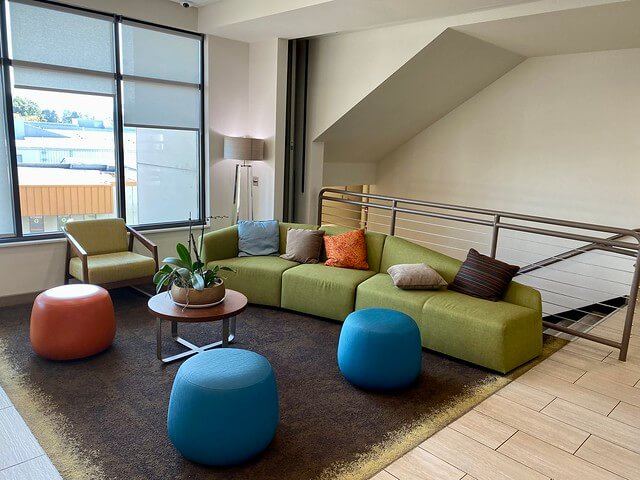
{"x": 18, "y": 236}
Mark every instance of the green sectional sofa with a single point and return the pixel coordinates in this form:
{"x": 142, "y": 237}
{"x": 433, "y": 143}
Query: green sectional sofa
{"x": 497, "y": 335}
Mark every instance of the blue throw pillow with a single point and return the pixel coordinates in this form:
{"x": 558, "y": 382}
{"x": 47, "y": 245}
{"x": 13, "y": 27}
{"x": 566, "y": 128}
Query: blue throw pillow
{"x": 258, "y": 238}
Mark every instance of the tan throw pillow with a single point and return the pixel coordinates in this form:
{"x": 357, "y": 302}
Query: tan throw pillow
{"x": 303, "y": 246}
{"x": 416, "y": 276}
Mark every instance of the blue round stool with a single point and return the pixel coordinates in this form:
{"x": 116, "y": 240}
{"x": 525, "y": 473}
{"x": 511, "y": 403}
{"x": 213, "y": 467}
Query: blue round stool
{"x": 380, "y": 349}
{"x": 223, "y": 408}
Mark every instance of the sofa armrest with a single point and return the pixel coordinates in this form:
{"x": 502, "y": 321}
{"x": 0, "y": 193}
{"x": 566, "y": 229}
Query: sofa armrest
{"x": 523, "y": 295}
{"x": 220, "y": 244}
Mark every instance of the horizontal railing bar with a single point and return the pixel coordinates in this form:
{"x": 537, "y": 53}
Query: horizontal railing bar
{"x": 412, "y": 220}
{"x": 569, "y": 236}
{"x": 570, "y": 308}
{"x": 413, "y": 212}
{"x": 483, "y": 211}
{"x": 571, "y": 296}
{"x": 573, "y": 260}
{"x": 442, "y": 236}
{"x": 432, "y": 243}
{"x": 581, "y": 287}
{"x": 587, "y": 336}
{"x": 588, "y": 248}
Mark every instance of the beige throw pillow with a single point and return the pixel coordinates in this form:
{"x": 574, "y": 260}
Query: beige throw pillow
{"x": 416, "y": 276}
{"x": 303, "y": 246}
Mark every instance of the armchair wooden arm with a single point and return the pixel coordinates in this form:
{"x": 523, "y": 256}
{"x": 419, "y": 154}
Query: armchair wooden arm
{"x": 74, "y": 246}
{"x": 148, "y": 244}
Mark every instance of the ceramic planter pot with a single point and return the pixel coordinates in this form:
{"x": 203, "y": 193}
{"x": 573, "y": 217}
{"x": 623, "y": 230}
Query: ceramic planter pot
{"x": 195, "y": 298}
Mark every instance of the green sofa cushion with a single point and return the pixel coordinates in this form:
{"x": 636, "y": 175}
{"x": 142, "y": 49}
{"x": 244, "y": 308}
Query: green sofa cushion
{"x": 219, "y": 244}
{"x": 320, "y": 290}
{"x": 398, "y": 250}
{"x": 379, "y": 291}
{"x": 284, "y": 227}
{"x": 113, "y": 267}
{"x": 497, "y": 335}
{"x": 259, "y": 278}
{"x": 375, "y": 243}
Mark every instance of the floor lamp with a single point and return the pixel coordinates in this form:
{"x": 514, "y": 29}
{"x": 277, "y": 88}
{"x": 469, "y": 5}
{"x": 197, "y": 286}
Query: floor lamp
{"x": 245, "y": 149}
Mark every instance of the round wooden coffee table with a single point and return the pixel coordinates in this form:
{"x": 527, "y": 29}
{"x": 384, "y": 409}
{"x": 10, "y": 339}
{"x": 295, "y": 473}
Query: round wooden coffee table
{"x": 162, "y": 307}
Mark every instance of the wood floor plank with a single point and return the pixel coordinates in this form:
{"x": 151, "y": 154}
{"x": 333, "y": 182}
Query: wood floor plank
{"x": 18, "y": 444}
{"x": 475, "y": 458}
{"x": 573, "y": 359}
{"x": 552, "y": 461}
{"x": 626, "y": 413}
{"x": 577, "y": 394}
{"x": 383, "y": 475}
{"x": 562, "y": 371}
{"x": 39, "y": 468}
{"x": 602, "y": 384}
{"x": 419, "y": 464}
{"x": 588, "y": 350}
{"x": 587, "y": 420}
{"x": 534, "y": 423}
{"x": 484, "y": 429}
{"x": 525, "y": 395}
{"x": 612, "y": 457}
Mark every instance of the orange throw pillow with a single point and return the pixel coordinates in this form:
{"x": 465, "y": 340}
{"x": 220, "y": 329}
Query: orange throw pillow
{"x": 347, "y": 250}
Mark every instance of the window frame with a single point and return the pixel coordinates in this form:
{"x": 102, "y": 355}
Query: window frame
{"x": 117, "y": 21}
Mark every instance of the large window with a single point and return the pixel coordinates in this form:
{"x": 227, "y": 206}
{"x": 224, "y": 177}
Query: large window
{"x": 104, "y": 118}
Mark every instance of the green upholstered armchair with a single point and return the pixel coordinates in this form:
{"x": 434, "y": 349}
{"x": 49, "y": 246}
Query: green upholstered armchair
{"x": 101, "y": 252}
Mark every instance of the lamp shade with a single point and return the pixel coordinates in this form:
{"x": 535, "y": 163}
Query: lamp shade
{"x": 243, "y": 148}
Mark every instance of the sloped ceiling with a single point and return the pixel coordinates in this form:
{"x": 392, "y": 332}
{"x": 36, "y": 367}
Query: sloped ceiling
{"x": 447, "y": 72}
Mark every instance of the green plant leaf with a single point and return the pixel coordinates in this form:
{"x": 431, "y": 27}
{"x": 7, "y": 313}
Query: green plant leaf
{"x": 197, "y": 265}
{"x": 176, "y": 262}
{"x": 198, "y": 281}
{"x": 184, "y": 254}
{"x": 185, "y": 273}
{"x": 227, "y": 269}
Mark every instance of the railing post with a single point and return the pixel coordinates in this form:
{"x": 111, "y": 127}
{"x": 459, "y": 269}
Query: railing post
{"x": 631, "y": 307}
{"x": 320, "y": 197}
{"x": 494, "y": 236}
{"x": 394, "y": 213}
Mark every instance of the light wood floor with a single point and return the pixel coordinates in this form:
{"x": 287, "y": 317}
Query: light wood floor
{"x": 574, "y": 416}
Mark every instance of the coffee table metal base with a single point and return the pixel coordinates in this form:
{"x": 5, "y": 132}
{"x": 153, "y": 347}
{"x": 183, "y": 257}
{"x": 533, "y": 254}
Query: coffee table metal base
{"x": 228, "y": 336}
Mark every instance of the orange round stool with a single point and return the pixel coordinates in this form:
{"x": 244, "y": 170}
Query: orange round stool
{"x": 72, "y": 321}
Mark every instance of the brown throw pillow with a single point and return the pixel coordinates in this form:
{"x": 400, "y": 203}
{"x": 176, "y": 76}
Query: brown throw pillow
{"x": 416, "y": 276}
{"x": 483, "y": 277}
{"x": 303, "y": 246}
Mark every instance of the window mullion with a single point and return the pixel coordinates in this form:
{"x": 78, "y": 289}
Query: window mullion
{"x": 10, "y": 130}
{"x": 118, "y": 122}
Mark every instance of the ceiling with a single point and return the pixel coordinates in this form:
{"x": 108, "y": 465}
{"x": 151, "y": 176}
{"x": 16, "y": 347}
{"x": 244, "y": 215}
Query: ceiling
{"x": 612, "y": 26}
{"x": 255, "y": 20}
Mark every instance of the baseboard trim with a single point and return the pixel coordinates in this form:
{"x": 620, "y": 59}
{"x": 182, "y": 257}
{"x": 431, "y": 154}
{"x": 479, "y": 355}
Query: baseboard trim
{"x": 18, "y": 299}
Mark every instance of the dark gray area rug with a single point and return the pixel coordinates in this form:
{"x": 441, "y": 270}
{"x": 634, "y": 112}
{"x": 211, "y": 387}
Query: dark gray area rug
{"x": 105, "y": 416}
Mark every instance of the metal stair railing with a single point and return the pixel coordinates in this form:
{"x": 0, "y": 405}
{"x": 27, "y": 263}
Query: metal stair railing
{"x": 603, "y": 274}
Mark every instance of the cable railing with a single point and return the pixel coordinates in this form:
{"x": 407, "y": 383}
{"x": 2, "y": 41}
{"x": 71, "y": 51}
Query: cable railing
{"x": 581, "y": 269}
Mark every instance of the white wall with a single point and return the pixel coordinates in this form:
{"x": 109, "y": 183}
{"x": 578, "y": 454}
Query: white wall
{"x": 267, "y": 97}
{"x": 556, "y": 136}
{"x": 247, "y": 98}
{"x": 228, "y": 89}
